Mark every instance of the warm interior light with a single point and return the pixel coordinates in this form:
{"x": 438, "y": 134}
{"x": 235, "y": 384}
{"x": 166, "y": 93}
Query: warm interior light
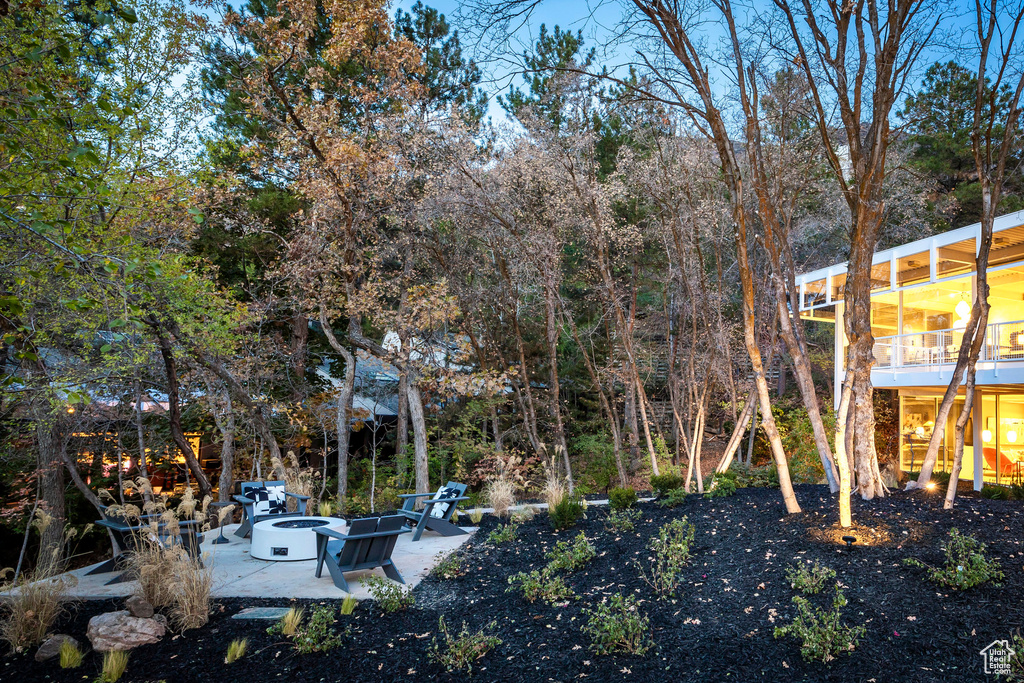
{"x": 919, "y": 431}
{"x": 986, "y": 435}
{"x": 963, "y": 309}
{"x": 1011, "y": 436}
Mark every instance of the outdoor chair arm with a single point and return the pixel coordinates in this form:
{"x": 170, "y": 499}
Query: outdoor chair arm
{"x": 416, "y": 495}
{"x": 296, "y": 495}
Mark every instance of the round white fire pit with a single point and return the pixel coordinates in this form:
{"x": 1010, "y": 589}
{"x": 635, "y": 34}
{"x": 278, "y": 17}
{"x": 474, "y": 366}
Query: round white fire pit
{"x": 291, "y": 538}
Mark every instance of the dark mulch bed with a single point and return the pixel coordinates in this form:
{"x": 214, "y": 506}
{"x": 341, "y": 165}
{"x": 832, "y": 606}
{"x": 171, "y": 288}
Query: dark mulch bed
{"x": 719, "y": 629}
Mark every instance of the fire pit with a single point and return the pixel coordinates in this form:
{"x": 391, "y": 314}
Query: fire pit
{"x": 291, "y": 538}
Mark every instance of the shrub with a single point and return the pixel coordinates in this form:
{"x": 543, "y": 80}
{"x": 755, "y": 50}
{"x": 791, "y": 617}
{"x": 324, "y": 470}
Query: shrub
{"x": 809, "y": 579}
{"x": 554, "y": 488}
{"x": 348, "y": 605}
{"x": 966, "y": 565}
{"x": 566, "y": 514}
{"x": 388, "y": 595}
{"x": 673, "y": 498}
{"x": 524, "y": 514}
{"x": 34, "y": 605}
{"x": 236, "y": 650}
{"x": 622, "y": 520}
{"x": 114, "y": 664}
{"x": 721, "y": 485}
{"x": 571, "y": 557}
{"x": 617, "y": 625}
{"x": 449, "y": 567}
{"x": 748, "y": 476}
{"x": 621, "y": 498}
{"x": 821, "y": 632}
{"x": 993, "y": 492}
{"x": 662, "y": 484}
{"x": 460, "y": 652}
{"x": 70, "y": 655}
{"x": 543, "y": 585}
{"x": 503, "y": 534}
{"x": 154, "y": 567}
{"x": 1016, "y": 674}
{"x": 671, "y": 553}
{"x": 318, "y": 634}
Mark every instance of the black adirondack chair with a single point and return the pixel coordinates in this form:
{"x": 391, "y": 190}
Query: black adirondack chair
{"x": 264, "y": 499}
{"x": 367, "y": 545}
{"x": 437, "y": 511}
{"x": 127, "y": 535}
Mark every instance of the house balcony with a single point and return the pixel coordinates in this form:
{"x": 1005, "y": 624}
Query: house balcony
{"x": 928, "y": 358}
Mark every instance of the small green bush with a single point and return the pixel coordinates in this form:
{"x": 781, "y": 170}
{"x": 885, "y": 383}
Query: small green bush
{"x": 661, "y": 484}
{"x": 348, "y": 605}
{"x": 566, "y": 513}
{"x": 751, "y": 477}
{"x": 572, "y": 557}
{"x": 673, "y": 498}
{"x": 317, "y": 634}
{"x": 543, "y": 585}
{"x": 1016, "y": 492}
{"x": 388, "y": 595}
{"x": 621, "y": 521}
{"x": 966, "y": 564}
{"x": 622, "y": 498}
{"x": 721, "y": 485}
{"x": 459, "y": 653}
{"x": 809, "y": 579}
{"x": 503, "y": 534}
{"x": 671, "y": 553}
{"x": 821, "y": 632}
{"x": 994, "y": 492}
{"x": 618, "y": 626}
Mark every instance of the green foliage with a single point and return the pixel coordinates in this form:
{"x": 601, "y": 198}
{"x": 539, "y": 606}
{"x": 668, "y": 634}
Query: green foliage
{"x": 565, "y": 515}
{"x": 477, "y": 515}
{"x": 671, "y": 552}
{"x": 617, "y": 625}
{"x": 571, "y": 557}
{"x": 318, "y": 634}
{"x": 995, "y": 492}
{"x": 597, "y": 455}
{"x": 450, "y": 567}
{"x": 822, "y": 633}
{"x": 662, "y": 484}
{"x": 541, "y": 584}
{"x": 289, "y": 624}
{"x": 966, "y": 564}
{"x": 749, "y": 476}
{"x": 349, "y": 604}
{"x": 503, "y": 534}
{"x": 621, "y": 498}
{"x": 70, "y": 655}
{"x": 673, "y": 498}
{"x": 114, "y": 664}
{"x": 388, "y": 595}
{"x": 460, "y": 652}
{"x": 721, "y": 485}
{"x": 236, "y": 650}
{"x": 809, "y": 579}
{"x": 621, "y": 521}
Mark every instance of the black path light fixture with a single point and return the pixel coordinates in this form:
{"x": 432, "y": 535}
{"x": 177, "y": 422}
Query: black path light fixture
{"x": 850, "y": 540}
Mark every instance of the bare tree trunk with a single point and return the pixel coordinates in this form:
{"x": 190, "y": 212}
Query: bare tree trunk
{"x": 402, "y": 429}
{"x": 551, "y": 324}
{"x": 737, "y": 435}
{"x": 140, "y": 435}
{"x": 50, "y": 465}
{"x": 344, "y": 407}
{"x": 419, "y": 431}
{"x": 842, "y": 458}
{"x": 226, "y": 425}
{"x": 174, "y": 411}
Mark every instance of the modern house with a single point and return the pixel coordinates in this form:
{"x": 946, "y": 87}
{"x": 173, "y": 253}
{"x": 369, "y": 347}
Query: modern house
{"x": 921, "y": 299}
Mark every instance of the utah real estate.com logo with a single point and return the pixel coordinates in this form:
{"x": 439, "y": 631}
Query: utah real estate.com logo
{"x": 998, "y": 656}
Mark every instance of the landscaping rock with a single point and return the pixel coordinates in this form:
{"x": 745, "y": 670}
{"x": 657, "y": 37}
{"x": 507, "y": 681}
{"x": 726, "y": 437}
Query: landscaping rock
{"x": 51, "y": 646}
{"x": 139, "y": 607}
{"x": 121, "y": 631}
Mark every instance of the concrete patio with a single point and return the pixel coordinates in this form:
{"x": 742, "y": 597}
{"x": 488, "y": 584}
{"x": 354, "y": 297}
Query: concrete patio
{"x": 237, "y": 575}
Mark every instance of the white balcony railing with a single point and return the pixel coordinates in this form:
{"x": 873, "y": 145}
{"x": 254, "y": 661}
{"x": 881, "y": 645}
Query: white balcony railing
{"x": 1003, "y": 342}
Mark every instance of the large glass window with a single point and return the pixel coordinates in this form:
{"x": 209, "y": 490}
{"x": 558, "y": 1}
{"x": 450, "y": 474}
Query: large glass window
{"x": 956, "y": 258}
{"x": 912, "y": 269}
{"x": 944, "y": 306}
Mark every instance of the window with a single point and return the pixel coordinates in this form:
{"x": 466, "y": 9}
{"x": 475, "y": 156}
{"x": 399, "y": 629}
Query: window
{"x": 913, "y": 269}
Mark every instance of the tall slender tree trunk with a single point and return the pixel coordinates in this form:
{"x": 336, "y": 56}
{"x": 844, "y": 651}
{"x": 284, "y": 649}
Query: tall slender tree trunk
{"x": 50, "y": 442}
{"x": 419, "y": 432}
{"x": 402, "y": 428}
{"x": 551, "y": 323}
{"x": 344, "y": 407}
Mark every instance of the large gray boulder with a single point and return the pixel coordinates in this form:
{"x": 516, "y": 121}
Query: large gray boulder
{"x": 51, "y": 646}
{"x": 121, "y": 631}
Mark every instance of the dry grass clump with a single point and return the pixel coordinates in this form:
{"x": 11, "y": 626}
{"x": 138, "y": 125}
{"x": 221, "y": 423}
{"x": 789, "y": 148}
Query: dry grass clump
{"x": 70, "y": 655}
{"x": 236, "y": 650}
{"x": 191, "y": 591}
{"x": 114, "y": 664}
{"x": 291, "y": 621}
{"x": 37, "y": 599}
{"x": 555, "y": 488}
{"x": 500, "y": 493}
{"x": 297, "y": 479}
